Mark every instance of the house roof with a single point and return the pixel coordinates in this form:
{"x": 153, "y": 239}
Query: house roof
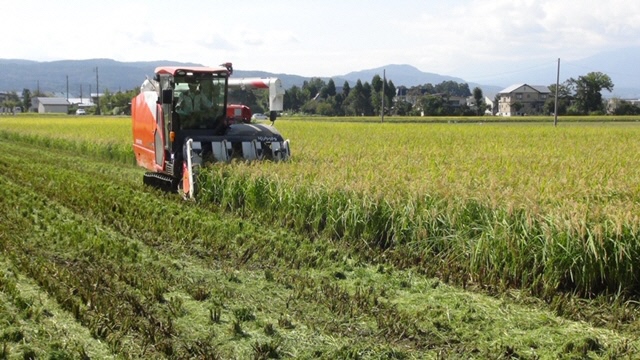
{"x": 52, "y": 101}
{"x": 539, "y": 88}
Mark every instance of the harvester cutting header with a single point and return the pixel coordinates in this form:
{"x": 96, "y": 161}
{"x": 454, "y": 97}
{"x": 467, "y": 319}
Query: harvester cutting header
{"x": 180, "y": 121}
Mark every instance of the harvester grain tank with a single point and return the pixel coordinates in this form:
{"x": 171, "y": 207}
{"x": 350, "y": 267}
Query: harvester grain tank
{"x": 180, "y": 122}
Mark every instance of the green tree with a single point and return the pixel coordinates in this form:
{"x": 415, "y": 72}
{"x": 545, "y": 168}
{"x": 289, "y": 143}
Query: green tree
{"x": 478, "y": 101}
{"x": 355, "y": 102}
{"x": 11, "y": 101}
{"x": 433, "y": 105}
{"x": 402, "y": 108}
{"x": 26, "y": 100}
{"x": 376, "y": 83}
{"x": 312, "y": 87}
{"x": 117, "y": 103}
{"x": 310, "y": 107}
{"x": 338, "y": 104}
{"x": 294, "y": 99}
{"x": 38, "y": 93}
{"x": 376, "y": 94}
{"x": 564, "y": 98}
{"x": 365, "y": 98}
{"x": 346, "y": 89}
{"x": 390, "y": 94}
{"x": 327, "y": 107}
{"x": 453, "y": 88}
{"x": 588, "y": 91}
{"x": 623, "y": 107}
{"x": 9, "y": 105}
{"x": 418, "y": 91}
{"x": 13, "y": 96}
{"x": 104, "y": 102}
{"x": 328, "y": 90}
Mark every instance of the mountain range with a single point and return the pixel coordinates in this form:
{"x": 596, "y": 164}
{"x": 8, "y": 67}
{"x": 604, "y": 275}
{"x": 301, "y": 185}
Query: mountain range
{"x": 79, "y": 77}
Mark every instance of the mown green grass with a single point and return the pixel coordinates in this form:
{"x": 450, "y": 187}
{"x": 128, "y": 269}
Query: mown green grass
{"x": 528, "y": 205}
{"x": 150, "y": 276}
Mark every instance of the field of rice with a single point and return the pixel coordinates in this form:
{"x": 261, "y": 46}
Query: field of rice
{"x": 494, "y": 207}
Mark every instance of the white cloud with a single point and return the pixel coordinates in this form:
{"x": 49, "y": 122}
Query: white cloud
{"x": 322, "y": 39}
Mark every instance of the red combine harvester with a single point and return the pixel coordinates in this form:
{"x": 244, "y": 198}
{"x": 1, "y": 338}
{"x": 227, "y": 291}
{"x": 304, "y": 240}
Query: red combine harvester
{"x": 180, "y": 122}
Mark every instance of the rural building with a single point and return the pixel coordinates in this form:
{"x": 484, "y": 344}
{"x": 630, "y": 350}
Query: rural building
{"x": 522, "y": 99}
{"x": 403, "y": 94}
{"x": 82, "y": 103}
{"x": 453, "y": 100}
{"x": 47, "y": 105}
{"x": 491, "y": 106}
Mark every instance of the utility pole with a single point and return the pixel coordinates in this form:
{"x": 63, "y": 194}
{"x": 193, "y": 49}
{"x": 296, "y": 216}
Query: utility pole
{"x": 384, "y": 77}
{"x": 555, "y": 110}
{"x": 97, "y": 94}
{"x": 67, "y": 87}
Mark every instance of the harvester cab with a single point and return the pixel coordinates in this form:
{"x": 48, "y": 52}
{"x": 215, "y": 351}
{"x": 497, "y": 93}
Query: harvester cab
{"x": 180, "y": 123}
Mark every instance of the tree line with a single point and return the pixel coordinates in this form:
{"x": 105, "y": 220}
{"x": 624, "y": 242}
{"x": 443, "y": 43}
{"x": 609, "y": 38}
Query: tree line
{"x": 365, "y": 99}
{"x": 576, "y": 96}
{"x": 583, "y": 96}
{"x": 322, "y": 98}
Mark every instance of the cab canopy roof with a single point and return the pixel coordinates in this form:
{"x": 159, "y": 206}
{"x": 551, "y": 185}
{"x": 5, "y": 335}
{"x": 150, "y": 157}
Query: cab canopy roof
{"x": 179, "y": 70}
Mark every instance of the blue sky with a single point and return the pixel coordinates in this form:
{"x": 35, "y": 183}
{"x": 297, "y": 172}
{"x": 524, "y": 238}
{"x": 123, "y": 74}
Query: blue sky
{"x": 464, "y": 38}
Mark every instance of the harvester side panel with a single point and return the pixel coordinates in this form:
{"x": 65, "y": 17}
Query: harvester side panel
{"x": 144, "y": 111}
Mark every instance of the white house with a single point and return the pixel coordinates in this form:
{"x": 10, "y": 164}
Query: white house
{"x": 522, "y": 99}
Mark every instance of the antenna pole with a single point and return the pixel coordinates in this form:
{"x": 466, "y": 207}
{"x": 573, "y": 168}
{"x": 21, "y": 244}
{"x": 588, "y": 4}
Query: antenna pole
{"x": 97, "y": 94}
{"x": 555, "y": 110}
{"x": 384, "y": 79}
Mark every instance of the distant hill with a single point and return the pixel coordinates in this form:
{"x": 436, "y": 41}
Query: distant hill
{"x": 406, "y": 75}
{"x": 16, "y": 74}
{"x": 52, "y": 76}
{"x": 409, "y": 76}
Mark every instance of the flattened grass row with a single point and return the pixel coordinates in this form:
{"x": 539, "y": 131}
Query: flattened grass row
{"x": 154, "y": 299}
{"x": 131, "y": 293}
{"x": 522, "y": 205}
{"x": 203, "y": 286}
